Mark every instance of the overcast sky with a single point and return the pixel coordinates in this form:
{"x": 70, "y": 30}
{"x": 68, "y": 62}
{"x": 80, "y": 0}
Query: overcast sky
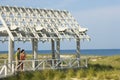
{"x": 101, "y": 17}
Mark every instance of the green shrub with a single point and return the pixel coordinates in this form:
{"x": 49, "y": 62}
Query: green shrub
{"x": 37, "y": 75}
{"x": 91, "y": 73}
{"x": 69, "y": 74}
{"x": 81, "y": 73}
{"x": 59, "y": 75}
{"x": 48, "y": 74}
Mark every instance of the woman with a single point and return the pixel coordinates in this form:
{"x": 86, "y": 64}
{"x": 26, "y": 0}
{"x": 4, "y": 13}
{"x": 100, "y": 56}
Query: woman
{"x": 22, "y": 57}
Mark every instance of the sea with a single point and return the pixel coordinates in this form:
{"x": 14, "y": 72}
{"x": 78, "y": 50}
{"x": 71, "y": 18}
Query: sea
{"x": 95, "y": 52}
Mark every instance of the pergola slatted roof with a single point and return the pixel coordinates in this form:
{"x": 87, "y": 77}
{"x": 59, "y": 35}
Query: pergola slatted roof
{"x": 43, "y": 24}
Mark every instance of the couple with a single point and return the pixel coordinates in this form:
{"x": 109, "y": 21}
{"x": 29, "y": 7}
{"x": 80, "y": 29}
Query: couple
{"x": 20, "y": 56}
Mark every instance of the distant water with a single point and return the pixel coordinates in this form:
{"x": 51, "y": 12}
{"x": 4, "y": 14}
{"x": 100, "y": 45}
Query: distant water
{"x": 99, "y": 52}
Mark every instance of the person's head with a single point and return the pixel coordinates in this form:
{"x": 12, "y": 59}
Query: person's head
{"x": 22, "y": 51}
{"x": 18, "y": 49}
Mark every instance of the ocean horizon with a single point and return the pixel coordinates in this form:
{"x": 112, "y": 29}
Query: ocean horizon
{"x": 97, "y": 52}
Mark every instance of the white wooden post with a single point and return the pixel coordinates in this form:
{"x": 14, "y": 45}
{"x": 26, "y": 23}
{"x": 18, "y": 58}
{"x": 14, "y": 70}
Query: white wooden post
{"x": 53, "y": 53}
{"x": 6, "y": 70}
{"x": 78, "y": 47}
{"x": 34, "y": 49}
{"x": 10, "y": 51}
{"x": 13, "y": 68}
{"x": 53, "y": 48}
{"x": 58, "y": 49}
{"x": 78, "y": 51}
{"x": 44, "y": 65}
{"x": 86, "y": 62}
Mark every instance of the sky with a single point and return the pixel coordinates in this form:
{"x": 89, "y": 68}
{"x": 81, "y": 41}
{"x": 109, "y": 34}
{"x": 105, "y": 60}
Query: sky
{"x": 101, "y": 17}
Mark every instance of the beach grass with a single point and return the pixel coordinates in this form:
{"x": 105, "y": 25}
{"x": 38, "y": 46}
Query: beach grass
{"x": 3, "y": 56}
{"x": 99, "y": 68}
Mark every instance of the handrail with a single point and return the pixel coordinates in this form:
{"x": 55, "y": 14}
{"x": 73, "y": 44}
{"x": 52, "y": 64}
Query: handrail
{"x": 43, "y": 64}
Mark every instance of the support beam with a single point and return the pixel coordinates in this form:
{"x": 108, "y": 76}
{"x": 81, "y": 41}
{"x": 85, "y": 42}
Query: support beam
{"x": 10, "y": 51}
{"x": 2, "y": 29}
{"x": 58, "y": 48}
{"x": 35, "y": 48}
{"x": 78, "y": 51}
{"x": 58, "y": 52}
{"x": 53, "y": 48}
{"x": 6, "y": 27}
{"x": 78, "y": 47}
{"x": 35, "y": 55}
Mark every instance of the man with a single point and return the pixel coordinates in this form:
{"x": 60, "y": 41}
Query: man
{"x": 17, "y": 55}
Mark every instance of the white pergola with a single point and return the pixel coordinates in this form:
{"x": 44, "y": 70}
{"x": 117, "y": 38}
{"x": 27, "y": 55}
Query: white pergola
{"x": 35, "y": 25}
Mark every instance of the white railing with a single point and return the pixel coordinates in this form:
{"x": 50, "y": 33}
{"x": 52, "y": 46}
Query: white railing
{"x": 42, "y": 64}
{"x": 5, "y": 70}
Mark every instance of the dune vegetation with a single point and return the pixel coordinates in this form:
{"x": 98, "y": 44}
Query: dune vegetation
{"x": 99, "y": 68}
